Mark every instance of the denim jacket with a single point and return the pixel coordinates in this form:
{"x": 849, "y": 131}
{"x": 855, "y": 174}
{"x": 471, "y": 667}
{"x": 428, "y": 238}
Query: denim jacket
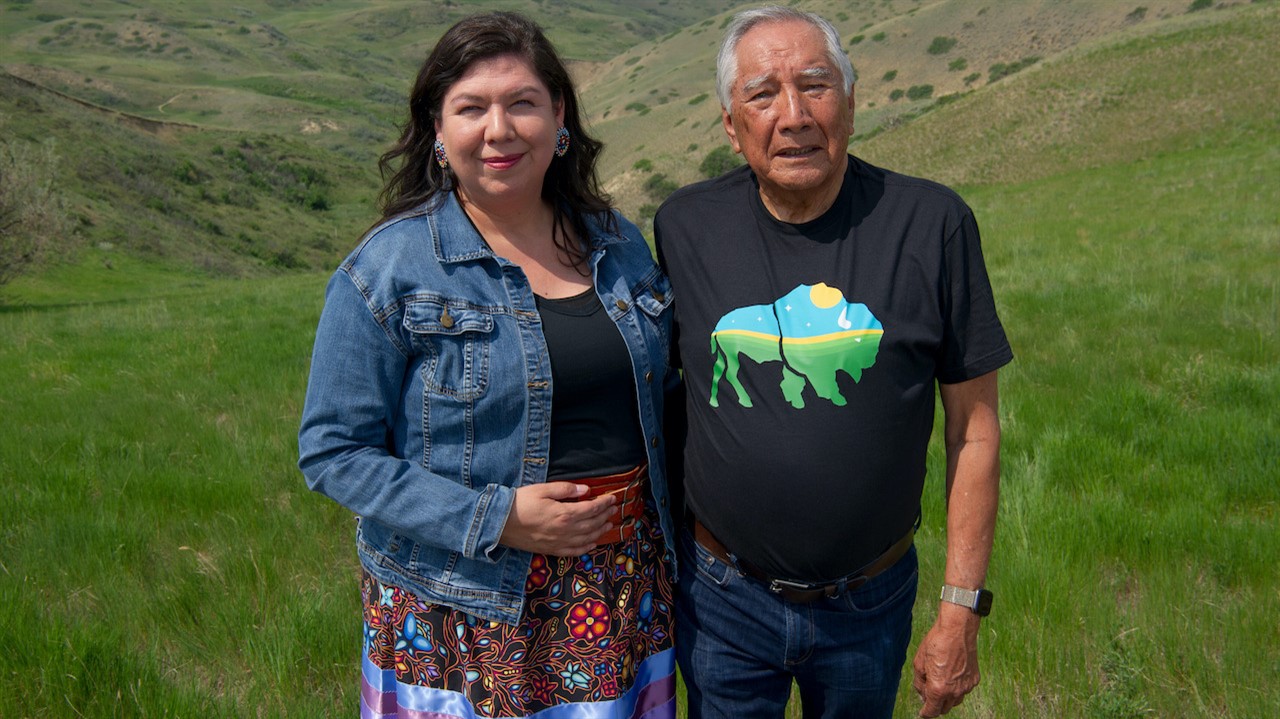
{"x": 430, "y": 395}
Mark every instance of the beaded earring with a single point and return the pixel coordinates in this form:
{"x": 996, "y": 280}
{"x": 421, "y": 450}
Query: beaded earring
{"x": 441, "y": 159}
{"x": 562, "y": 141}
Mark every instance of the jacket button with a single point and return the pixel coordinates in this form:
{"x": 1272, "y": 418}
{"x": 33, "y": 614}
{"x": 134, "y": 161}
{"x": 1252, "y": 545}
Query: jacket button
{"x": 659, "y": 297}
{"x": 648, "y": 376}
{"x": 446, "y": 320}
{"x": 622, "y": 305}
{"x": 654, "y": 441}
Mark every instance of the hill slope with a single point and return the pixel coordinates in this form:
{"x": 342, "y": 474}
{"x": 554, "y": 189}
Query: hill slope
{"x": 658, "y": 98}
{"x": 246, "y": 137}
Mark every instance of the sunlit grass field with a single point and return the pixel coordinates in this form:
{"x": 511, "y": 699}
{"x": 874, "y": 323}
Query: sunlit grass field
{"x": 161, "y": 556}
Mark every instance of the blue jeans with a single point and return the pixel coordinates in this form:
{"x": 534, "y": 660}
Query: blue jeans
{"x": 739, "y": 645}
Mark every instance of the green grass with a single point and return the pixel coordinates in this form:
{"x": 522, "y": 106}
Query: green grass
{"x": 159, "y": 553}
{"x": 1135, "y": 552}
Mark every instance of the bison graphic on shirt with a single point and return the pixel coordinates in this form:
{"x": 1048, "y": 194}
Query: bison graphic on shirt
{"x": 812, "y": 330}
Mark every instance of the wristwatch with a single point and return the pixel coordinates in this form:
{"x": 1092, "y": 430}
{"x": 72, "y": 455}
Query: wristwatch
{"x": 977, "y": 601}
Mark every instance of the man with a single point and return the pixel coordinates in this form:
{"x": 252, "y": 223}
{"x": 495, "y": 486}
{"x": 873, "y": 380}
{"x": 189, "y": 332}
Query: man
{"x": 819, "y": 299}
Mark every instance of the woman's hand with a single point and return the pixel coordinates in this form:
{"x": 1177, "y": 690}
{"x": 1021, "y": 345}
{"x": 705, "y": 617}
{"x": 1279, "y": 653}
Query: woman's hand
{"x": 545, "y": 519}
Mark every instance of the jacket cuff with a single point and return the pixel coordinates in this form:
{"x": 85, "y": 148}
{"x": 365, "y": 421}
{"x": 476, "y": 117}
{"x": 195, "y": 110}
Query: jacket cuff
{"x": 490, "y": 519}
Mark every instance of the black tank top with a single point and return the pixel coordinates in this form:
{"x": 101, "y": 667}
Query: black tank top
{"x": 595, "y": 422}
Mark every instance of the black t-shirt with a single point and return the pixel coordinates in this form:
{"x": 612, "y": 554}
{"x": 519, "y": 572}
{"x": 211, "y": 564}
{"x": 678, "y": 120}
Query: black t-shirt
{"x": 595, "y": 421}
{"x": 810, "y": 355}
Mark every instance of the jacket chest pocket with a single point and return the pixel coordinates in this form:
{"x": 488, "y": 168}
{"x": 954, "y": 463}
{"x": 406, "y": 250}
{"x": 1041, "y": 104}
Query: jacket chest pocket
{"x": 454, "y": 341}
{"x": 653, "y": 299}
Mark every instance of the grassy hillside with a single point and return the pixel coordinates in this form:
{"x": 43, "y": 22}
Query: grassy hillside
{"x": 658, "y": 98}
{"x": 241, "y": 138}
{"x": 1200, "y": 81}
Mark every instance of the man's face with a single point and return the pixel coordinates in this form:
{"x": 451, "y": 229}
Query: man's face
{"x": 790, "y": 117}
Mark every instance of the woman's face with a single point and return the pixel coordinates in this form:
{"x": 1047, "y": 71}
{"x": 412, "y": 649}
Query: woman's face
{"x": 498, "y": 124}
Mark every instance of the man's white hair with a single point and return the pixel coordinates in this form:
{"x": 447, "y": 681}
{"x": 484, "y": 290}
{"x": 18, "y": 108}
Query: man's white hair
{"x": 727, "y": 60}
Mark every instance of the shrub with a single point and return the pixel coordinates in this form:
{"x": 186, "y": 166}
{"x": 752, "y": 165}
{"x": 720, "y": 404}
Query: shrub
{"x": 643, "y": 165}
{"x": 941, "y": 45}
{"x": 958, "y": 64}
{"x": 699, "y": 99}
{"x": 659, "y": 186}
{"x": 889, "y": 76}
{"x": 919, "y": 92}
{"x": 34, "y": 220}
{"x": 1137, "y": 15}
{"x": 1001, "y": 70}
{"x": 719, "y": 161}
{"x": 856, "y": 39}
{"x": 896, "y": 95}
{"x": 878, "y": 37}
{"x": 1199, "y": 5}
{"x": 646, "y": 213}
{"x": 972, "y": 78}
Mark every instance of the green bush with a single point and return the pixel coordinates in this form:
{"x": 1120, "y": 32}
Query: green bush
{"x": 856, "y": 39}
{"x": 896, "y": 95}
{"x": 699, "y": 99}
{"x": 719, "y": 161}
{"x": 35, "y": 221}
{"x": 972, "y": 78}
{"x": 1199, "y": 5}
{"x": 958, "y": 64}
{"x": 941, "y": 45}
{"x": 889, "y": 76}
{"x": 643, "y": 165}
{"x": 878, "y": 37}
{"x": 659, "y": 186}
{"x": 919, "y": 92}
{"x": 1001, "y": 70}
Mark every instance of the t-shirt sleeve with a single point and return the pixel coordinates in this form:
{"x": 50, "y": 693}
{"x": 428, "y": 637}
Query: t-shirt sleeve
{"x": 974, "y": 341}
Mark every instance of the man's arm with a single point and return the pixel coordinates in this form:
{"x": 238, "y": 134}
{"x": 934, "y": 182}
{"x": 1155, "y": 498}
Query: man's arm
{"x": 946, "y": 662}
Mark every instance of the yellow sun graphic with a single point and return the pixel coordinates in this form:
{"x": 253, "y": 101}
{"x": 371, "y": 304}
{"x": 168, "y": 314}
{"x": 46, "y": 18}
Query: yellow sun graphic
{"x": 824, "y": 296}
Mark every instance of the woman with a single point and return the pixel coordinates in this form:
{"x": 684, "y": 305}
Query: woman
{"x": 485, "y": 391}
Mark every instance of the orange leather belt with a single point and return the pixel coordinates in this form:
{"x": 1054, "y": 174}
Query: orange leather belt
{"x": 628, "y": 487}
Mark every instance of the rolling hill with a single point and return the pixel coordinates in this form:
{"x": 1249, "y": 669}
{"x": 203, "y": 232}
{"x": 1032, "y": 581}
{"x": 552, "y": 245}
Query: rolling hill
{"x": 243, "y": 139}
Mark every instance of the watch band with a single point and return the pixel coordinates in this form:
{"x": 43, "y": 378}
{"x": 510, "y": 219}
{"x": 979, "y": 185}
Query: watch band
{"x": 977, "y": 601}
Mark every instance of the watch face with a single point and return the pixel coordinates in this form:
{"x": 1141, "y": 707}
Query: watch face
{"x": 983, "y": 606}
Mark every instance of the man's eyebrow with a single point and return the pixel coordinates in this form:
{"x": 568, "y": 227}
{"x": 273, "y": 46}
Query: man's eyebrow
{"x": 824, "y": 73}
{"x": 754, "y": 83}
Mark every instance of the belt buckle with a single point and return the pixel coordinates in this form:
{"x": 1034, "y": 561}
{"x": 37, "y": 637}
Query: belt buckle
{"x": 778, "y": 586}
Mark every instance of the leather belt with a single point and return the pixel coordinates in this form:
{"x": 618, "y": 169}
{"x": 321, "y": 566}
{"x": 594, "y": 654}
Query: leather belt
{"x": 628, "y": 487}
{"x": 804, "y": 592}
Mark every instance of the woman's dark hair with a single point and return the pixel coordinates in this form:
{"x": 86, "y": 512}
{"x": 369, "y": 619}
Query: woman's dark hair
{"x": 570, "y": 185}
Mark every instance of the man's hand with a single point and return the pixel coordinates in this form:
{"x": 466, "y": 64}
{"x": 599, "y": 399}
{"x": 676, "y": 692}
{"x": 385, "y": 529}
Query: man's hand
{"x": 946, "y": 663}
{"x": 547, "y": 519}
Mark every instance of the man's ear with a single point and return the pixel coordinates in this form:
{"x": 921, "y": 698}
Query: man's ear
{"x": 851, "y": 104}
{"x": 727, "y": 120}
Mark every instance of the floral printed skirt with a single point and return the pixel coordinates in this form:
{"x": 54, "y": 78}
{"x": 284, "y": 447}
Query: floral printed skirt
{"x": 594, "y": 642}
